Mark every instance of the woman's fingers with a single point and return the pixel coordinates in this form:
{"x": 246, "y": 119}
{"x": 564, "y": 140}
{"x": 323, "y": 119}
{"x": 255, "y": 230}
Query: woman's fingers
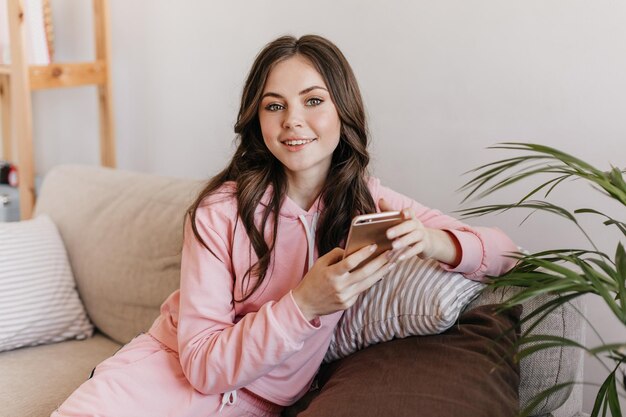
{"x": 332, "y": 257}
{"x": 368, "y": 280}
{"x": 409, "y": 251}
{"x": 404, "y": 228}
{"x": 411, "y": 238}
{"x": 354, "y": 260}
{"x": 369, "y": 269}
{"x": 384, "y": 205}
{"x": 329, "y": 285}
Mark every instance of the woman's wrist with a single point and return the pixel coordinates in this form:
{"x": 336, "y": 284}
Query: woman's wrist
{"x": 301, "y": 305}
{"x": 446, "y": 247}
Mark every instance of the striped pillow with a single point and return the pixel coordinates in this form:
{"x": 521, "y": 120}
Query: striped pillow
{"x": 418, "y": 297}
{"x": 38, "y": 299}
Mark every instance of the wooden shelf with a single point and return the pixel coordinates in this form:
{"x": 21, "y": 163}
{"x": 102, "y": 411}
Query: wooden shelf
{"x": 58, "y": 75}
{"x": 18, "y": 80}
{"x": 67, "y": 75}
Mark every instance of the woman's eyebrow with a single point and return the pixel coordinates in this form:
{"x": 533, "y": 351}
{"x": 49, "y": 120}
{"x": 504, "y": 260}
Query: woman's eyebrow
{"x": 308, "y": 90}
{"x": 305, "y": 91}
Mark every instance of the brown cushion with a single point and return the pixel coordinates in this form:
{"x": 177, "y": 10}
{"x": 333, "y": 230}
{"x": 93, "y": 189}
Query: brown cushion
{"x": 468, "y": 371}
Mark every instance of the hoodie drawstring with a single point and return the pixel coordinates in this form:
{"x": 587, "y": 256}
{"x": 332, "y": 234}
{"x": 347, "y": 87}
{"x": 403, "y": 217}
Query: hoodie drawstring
{"x": 230, "y": 398}
{"x": 310, "y": 235}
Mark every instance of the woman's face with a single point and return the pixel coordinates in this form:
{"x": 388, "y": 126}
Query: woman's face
{"x": 299, "y": 121}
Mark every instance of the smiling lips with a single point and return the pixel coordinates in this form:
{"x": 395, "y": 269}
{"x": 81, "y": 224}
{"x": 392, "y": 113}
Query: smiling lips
{"x": 297, "y": 144}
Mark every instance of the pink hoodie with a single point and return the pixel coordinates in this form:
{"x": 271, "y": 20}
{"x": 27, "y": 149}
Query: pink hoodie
{"x": 265, "y": 344}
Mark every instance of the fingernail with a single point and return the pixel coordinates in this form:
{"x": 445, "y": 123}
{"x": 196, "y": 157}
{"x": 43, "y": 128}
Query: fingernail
{"x": 389, "y": 254}
{"x": 406, "y": 213}
{"x": 373, "y": 247}
{"x": 401, "y": 257}
{"x": 396, "y": 244}
{"x": 391, "y": 266}
{"x": 390, "y": 235}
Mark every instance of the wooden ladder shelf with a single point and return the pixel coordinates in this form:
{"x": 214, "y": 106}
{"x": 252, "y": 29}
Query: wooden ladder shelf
{"x": 18, "y": 80}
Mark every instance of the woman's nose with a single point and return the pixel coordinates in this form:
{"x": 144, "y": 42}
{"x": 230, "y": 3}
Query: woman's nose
{"x": 293, "y": 118}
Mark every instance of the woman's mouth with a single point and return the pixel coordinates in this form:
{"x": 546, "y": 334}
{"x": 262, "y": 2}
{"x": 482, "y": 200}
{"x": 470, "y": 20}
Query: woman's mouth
{"x": 297, "y": 144}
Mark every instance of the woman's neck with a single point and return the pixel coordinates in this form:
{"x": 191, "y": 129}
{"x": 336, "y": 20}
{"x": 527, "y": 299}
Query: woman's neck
{"x": 304, "y": 191}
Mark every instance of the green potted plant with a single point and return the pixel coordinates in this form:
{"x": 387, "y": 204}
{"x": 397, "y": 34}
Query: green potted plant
{"x": 565, "y": 273}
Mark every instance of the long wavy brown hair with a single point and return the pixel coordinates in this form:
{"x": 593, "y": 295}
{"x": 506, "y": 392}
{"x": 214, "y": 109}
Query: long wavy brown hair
{"x": 253, "y": 167}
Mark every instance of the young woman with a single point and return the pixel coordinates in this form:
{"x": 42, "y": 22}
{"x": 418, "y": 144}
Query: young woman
{"x": 263, "y": 278}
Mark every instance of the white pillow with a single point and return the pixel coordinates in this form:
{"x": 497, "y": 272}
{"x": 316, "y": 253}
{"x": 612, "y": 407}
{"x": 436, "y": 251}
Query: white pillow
{"x": 38, "y": 299}
{"x": 418, "y": 297}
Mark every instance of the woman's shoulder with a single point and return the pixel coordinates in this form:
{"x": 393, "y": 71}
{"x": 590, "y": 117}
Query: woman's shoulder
{"x": 221, "y": 201}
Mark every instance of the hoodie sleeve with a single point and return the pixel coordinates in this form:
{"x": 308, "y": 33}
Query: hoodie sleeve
{"x": 484, "y": 250}
{"x": 217, "y": 353}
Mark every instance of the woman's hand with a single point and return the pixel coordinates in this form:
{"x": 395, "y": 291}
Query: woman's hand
{"x": 329, "y": 286}
{"x": 411, "y": 238}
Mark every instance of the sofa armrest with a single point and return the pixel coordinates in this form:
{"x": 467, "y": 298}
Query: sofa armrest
{"x": 548, "y": 367}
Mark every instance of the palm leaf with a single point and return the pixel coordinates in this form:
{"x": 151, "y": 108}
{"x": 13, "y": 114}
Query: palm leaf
{"x": 495, "y": 169}
{"x": 600, "y": 398}
{"x": 602, "y": 291}
{"x": 544, "y": 311}
{"x": 607, "y": 347}
{"x": 522, "y": 175}
{"x": 539, "y": 398}
{"x": 475, "y": 184}
{"x": 620, "y": 264}
{"x": 612, "y": 182}
{"x": 532, "y": 204}
{"x": 610, "y": 221}
{"x": 608, "y": 397}
{"x": 545, "y": 341}
{"x": 566, "y": 273}
{"x": 613, "y": 398}
{"x": 553, "y": 152}
{"x": 556, "y": 278}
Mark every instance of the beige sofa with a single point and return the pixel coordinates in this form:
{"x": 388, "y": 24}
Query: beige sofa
{"x": 122, "y": 232}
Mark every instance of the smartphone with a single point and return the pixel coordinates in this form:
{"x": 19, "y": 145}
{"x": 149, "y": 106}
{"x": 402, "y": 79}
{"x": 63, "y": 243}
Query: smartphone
{"x": 368, "y": 229}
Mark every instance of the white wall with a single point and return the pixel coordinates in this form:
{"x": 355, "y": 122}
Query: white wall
{"x": 441, "y": 81}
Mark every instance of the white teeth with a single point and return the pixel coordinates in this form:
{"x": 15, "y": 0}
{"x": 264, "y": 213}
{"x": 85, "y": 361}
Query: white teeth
{"x": 297, "y": 142}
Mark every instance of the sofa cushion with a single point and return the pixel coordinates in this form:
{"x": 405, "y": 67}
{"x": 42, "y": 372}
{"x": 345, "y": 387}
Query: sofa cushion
{"x": 123, "y": 234}
{"x": 38, "y": 299}
{"x": 418, "y": 297}
{"x": 34, "y": 381}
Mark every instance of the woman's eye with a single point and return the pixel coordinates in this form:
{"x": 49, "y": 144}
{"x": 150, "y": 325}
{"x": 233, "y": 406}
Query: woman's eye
{"x": 273, "y": 107}
{"x": 314, "y": 102}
